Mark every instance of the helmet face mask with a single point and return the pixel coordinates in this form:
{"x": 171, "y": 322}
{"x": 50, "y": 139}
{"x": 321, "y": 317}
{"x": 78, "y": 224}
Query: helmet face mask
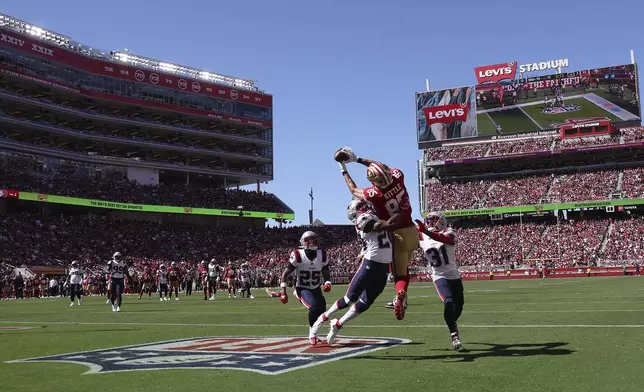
{"x": 436, "y": 221}
{"x": 310, "y": 240}
{"x": 379, "y": 175}
{"x": 357, "y": 207}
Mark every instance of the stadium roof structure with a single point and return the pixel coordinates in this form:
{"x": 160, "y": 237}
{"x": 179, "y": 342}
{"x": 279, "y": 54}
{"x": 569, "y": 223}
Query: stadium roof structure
{"x": 124, "y": 56}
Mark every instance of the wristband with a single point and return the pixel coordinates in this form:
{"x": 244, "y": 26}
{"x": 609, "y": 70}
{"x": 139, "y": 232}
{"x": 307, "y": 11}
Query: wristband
{"x": 283, "y": 285}
{"x": 344, "y": 172}
{"x": 359, "y": 160}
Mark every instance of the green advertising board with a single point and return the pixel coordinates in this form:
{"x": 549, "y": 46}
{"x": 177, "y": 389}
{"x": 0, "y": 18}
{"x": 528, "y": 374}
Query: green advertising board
{"x": 150, "y": 208}
{"x": 537, "y": 208}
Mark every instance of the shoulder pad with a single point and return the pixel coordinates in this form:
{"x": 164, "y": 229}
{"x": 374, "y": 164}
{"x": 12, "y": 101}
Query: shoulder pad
{"x": 296, "y": 257}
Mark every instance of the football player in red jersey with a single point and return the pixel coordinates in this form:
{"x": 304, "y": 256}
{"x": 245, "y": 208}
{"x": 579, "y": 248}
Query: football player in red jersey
{"x": 174, "y": 275}
{"x": 231, "y": 275}
{"x": 202, "y": 275}
{"x": 389, "y": 197}
{"x": 147, "y": 281}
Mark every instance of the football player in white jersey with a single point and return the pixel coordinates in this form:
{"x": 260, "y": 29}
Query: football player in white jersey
{"x": 438, "y": 242}
{"x": 371, "y": 278}
{"x": 244, "y": 276}
{"x": 311, "y": 266}
{"x": 162, "y": 283}
{"x": 118, "y": 270}
{"x": 213, "y": 274}
{"x": 75, "y": 281}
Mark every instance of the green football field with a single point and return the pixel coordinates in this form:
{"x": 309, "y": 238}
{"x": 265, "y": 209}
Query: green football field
{"x": 588, "y": 109}
{"x": 535, "y": 335}
{"x": 526, "y": 118}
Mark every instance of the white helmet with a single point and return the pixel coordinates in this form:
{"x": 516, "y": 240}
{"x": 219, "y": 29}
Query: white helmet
{"x": 358, "y": 207}
{"x": 74, "y": 263}
{"x": 117, "y": 256}
{"x": 310, "y": 240}
{"x": 436, "y": 220}
{"x": 174, "y": 264}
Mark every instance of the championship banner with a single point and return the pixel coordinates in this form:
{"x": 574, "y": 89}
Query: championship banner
{"x": 151, "y": 208}
{"x": 543, "y": 208}
{"x": 502, "y": 105}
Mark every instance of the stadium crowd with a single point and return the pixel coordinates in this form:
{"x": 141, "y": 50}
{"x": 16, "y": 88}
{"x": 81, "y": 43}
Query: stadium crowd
{"x": 527, "y": 145}
{"x": 29, "y": 174}
{"x": 532, "y": 189}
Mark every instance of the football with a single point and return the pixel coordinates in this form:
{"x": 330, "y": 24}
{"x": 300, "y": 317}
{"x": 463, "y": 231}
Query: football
{"x": 341, "y": 156}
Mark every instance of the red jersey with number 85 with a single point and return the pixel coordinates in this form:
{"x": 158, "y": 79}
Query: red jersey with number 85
{"x": 391, "y": 200}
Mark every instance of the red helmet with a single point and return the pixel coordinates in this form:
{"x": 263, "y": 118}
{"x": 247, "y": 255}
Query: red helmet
{"x": 379, "y": 175}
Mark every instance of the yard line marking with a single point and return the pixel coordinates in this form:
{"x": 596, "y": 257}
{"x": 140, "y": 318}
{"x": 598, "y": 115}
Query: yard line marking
{"x": 352, "y": 325}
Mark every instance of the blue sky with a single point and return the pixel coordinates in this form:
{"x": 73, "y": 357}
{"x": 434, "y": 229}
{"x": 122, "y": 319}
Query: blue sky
{"x": 345, "y": 72}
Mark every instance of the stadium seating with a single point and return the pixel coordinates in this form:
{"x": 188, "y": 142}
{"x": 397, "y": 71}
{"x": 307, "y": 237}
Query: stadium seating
{"x": 595, "y": 185}
{"x": 547, "y": 143}
{"x": 28, "y": 173}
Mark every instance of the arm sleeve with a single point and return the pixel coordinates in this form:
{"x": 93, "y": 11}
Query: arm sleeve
{"x": 445, "y": 238}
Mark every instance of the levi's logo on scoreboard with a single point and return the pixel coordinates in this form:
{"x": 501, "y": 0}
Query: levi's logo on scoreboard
{"x": 266, "y": 355}
{"x": 495, "y": 73}
{"x": 446, "y": 114}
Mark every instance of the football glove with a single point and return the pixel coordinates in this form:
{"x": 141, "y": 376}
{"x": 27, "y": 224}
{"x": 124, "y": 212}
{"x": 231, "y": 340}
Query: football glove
{"x": 326, "y": 286}
{"x": 421, "y": 226}
{"x": 352, "y": 155}
{"x": 343, "y": 166}
{"x": 284, "y": 298}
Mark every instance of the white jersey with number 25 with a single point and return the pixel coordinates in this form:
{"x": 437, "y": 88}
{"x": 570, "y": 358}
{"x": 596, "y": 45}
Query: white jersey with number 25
{"x": 441, "y": 257}
{"x": 309, "y": 272}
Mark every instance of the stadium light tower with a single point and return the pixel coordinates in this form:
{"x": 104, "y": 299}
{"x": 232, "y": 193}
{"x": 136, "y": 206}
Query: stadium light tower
{"x": 311, "y": 210}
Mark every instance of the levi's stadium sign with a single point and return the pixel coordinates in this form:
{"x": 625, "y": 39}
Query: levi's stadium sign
{"x": 507, "y": 71}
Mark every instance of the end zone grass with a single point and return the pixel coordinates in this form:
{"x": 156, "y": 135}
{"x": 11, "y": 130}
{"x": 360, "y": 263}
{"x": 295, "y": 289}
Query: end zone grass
{"x": 536, "y": 335}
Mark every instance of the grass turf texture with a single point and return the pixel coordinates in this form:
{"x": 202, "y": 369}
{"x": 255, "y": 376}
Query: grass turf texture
{"x": 536, "y": 335}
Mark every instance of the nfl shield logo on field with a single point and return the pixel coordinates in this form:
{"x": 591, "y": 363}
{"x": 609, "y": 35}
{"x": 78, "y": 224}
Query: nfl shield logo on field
{"x": 266, "y": 355}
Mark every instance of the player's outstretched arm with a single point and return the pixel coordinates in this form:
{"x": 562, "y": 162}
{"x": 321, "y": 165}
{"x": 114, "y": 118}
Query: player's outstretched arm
{"x": 445, "y": 238}
{"x": 355, "y": 191}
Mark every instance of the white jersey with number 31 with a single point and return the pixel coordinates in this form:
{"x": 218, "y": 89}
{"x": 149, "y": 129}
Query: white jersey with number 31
{"x": 441, "y": 257}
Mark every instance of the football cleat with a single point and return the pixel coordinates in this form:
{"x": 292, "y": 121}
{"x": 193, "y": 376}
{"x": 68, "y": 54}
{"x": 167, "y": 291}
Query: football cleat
{"x": 176, "y": 299}
{"x": 107, "y": 302}
{"x": 335, "y": 327}
{"x": 113, "y": 308}
{"x": 160, "y": 299}
{"x": 118, "y": 308}
{"x": 390, "y": 305}
{"x": 251, "y": 297}
{"x": 400, "y": 305}
{"x": 72, "y": 304}
{"x": 313, "y": 340}
{"x": 456, "y": 342}
{"x": 318, "y": 324}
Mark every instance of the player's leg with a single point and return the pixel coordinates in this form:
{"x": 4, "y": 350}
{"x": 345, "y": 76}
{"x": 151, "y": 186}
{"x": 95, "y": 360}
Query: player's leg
{"x": 234, "y": 284}
{"x": 458, "y": 296}
{"x": 176, "y": 291}
{"x": 120, "y": 287}
{"x": 314, "y": 301}
{"x": 171, "y": 289}
{"x": 444, "y": 290}
{"x": 404, "y": 239}
{"x": 376, "y": 281}
{"x": 72, "y": 294}
{"x": 352, "y": 295}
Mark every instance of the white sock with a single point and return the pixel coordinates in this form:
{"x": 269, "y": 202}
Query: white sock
{"x": 334, "y": 308}
{"x": 350, "y": 315}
